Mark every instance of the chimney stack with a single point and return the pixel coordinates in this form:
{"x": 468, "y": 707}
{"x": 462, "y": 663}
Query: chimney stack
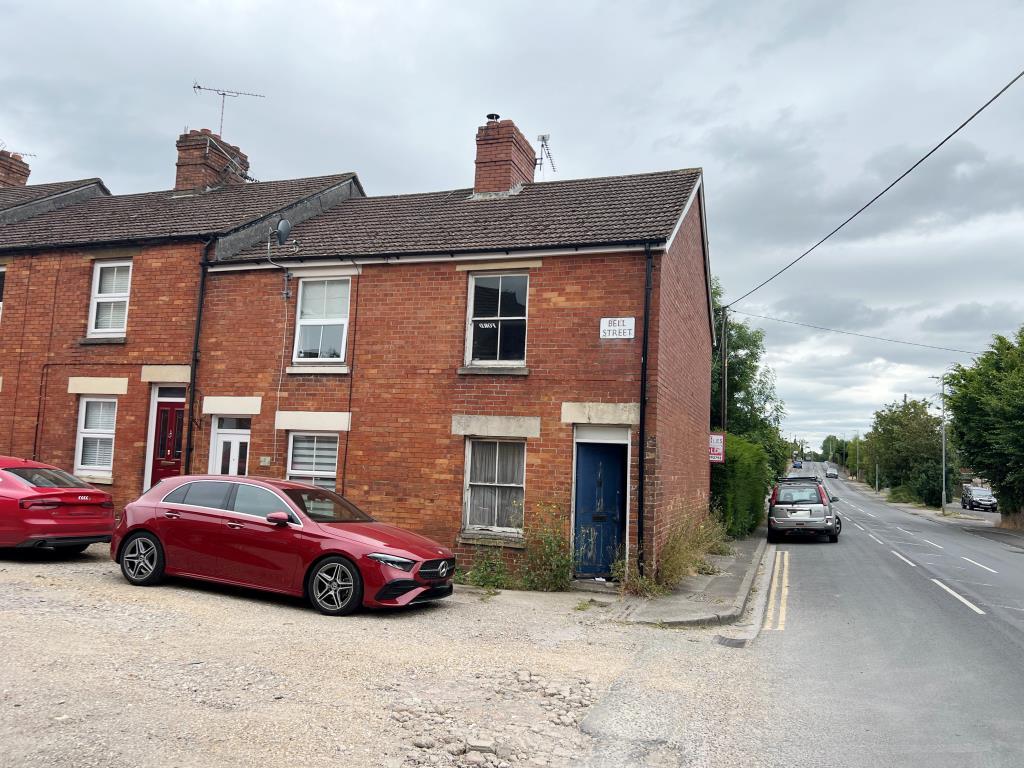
{"x": 206, "y": 161}
{"x": 14, "y": 170}
{"x": 504, "y": 158}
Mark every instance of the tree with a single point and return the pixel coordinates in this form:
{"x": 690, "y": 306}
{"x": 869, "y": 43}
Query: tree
{"x": 754, "y": 410}
{"x": 905, "y": 443}
{"x": 986, "y": 401}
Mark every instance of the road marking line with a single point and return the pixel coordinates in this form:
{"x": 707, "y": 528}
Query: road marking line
{"x": 990, "y": 570}
{"x": 933, "y": 543}
{"x": 901, "y": 557}
{"x": 905, "y": 531}
{"x": 866, "y": 512}
{"x": 859, "y": 525}
{"x": 785, "y": 592}
{"x": 770, "y": 613}
{"x": 961, "y": 598}
{"x": 875, "y": 538}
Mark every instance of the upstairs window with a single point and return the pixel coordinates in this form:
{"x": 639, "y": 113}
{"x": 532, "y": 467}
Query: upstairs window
{"x": 95, "y": 445}
{"x": 497, "y": 319}
{"x": 322, "y": 324}
{"x": 108, "y": 307}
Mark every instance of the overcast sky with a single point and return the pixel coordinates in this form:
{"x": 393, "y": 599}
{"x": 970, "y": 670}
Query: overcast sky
{"x": 797, "y": 111}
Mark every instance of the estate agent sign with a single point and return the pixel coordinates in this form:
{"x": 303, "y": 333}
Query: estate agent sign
{"x": 716, "y": 448}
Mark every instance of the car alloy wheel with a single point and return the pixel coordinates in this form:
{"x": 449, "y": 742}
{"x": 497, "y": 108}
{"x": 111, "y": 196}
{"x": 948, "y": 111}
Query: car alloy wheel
{"x": 335, "y": 587}
{"x": 142, "y": 560}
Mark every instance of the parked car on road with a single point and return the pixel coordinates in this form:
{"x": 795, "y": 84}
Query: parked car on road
{"x": 802, "y": 506}
{"x": 798, "y": 464}
{"x": 279, "y": 536}
{"x": 832, "y": 472}
{"x": 43, "y": 506}
{"x": 975, "y": 497}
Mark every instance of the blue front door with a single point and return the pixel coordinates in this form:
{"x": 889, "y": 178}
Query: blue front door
{"x": 600, "y": 506}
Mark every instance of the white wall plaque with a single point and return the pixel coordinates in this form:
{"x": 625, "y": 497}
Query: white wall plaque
{"x": 618, "y": 327}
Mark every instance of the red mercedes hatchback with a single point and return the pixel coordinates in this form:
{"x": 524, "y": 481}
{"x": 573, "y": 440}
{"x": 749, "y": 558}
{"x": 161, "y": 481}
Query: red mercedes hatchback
{"x": 279, "y": 536}
{"x": 43, "y": 506}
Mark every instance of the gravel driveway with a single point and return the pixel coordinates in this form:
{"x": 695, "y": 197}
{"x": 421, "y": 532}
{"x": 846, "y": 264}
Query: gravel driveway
{"x": 97, "y": 673}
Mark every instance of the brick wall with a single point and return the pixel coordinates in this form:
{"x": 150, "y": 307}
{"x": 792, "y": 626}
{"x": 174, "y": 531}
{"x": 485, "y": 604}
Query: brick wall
{"x": 680, "y": 388}
{"x": 406, "y": 343}
{"x": 45, "y": 315}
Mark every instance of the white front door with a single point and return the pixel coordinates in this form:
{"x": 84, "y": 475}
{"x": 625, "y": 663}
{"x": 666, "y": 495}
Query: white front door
{"x": 229, "y": 445}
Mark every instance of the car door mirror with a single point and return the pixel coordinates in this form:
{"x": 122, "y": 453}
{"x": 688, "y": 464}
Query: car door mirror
{"x": 834, "y": 498}
{"x": 278, "y": 518}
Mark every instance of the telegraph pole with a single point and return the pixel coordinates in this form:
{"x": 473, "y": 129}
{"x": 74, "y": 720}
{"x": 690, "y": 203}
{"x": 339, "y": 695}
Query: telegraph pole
{"x": 942, "y": 380}
{"x": 725, "y": 369}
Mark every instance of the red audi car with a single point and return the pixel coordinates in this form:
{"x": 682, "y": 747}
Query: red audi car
{"x": 43, "y": 506}
{"x": 280, "y": 536}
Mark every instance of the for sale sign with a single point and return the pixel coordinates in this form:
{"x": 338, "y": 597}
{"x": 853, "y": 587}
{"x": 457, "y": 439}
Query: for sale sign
{"x": 716, "y": 448}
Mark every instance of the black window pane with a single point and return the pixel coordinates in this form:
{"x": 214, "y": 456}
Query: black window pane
{"x": 250, "y": 500}
{"x": 513, "y": 340}
{"x": 2, "y": 273}
{"x": 235, "y": 422}
{"x": 171, "y": 392}
{"x": 513, "y": 296}
{"x": 177, "y": 496}
{"x": 485, "y": 297}
{"x": 208, "y": 494}
{"x": 485, "y": 340}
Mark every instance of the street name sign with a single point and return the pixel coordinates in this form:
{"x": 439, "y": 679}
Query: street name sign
{"x": 618, "y": 327}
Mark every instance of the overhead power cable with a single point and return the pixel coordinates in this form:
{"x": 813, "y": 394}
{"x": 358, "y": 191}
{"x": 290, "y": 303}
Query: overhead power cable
{"x": 870, "y": 202}
{"x": 851, "y": 333}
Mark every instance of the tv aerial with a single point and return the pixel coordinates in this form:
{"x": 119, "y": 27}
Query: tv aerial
{"x": 224, "y": 94}
{"x": 3, "y": 146}
{"x": 545, "y": 152}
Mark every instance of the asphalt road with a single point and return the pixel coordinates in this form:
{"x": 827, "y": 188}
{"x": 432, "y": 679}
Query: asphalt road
{"x": 900, "y": 645}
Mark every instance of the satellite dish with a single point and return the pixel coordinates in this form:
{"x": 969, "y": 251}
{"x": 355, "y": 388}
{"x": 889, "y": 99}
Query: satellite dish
{"x": 284, "y": 229}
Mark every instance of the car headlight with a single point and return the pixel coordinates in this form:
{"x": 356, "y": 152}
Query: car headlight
{"x": 401, "y": 563}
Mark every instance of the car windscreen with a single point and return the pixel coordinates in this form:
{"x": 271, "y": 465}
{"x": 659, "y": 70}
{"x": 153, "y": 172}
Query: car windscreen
{"x": 41, "y": 477}
{"x": 325, "y": 506}
{"x": 799, "y": 494}
{"x": 981, "y": 492}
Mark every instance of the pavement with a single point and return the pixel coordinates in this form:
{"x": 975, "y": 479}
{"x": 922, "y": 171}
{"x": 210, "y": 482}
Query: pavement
{"x": 700, "y": 600}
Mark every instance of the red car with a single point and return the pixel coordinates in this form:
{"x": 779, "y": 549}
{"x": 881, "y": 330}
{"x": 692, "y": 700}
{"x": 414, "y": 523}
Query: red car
{"x": 43, "y": 506}
{"x": 279, "y": 536}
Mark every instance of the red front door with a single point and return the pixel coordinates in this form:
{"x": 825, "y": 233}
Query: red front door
{"x": 167, "y": 434}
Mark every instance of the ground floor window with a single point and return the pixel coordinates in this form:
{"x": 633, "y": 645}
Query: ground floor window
{"x": 495, "y": 484}
{"x": 313, "y": 458}
{"x": 94, "y": 448}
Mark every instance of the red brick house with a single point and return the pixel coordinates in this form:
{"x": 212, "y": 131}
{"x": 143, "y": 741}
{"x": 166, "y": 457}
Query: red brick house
{"x": 99, "y": 296}
{"x": 460, "y": 362}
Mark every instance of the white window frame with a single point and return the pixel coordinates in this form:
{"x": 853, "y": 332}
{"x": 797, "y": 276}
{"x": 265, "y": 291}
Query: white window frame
{"x": 303, "y": 476}
{"x": 469, "y": 361}
{"x": 82, "y": 433}
{"x": 466, "y": 485}
{"x": 96, "y": 297}
{"x": 299, "y": 323}
{"x": 3, "y": 271}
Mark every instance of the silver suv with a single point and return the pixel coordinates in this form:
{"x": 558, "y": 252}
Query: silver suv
{"x": 802, "y": 506}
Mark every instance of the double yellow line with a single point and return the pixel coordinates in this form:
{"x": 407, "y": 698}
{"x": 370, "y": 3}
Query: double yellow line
{"x": 779, "y": 593}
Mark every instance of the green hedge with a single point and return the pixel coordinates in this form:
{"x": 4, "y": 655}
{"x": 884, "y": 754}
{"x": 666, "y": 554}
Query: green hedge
{"x": 739, "y": 486}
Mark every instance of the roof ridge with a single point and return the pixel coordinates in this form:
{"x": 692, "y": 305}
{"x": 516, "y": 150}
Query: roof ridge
{"x": 532, "y": 184}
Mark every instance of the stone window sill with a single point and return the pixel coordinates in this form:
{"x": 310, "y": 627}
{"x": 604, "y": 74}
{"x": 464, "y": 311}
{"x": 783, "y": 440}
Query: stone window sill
{"x": 95, "y": 479}
{"x": 492, "y": 539}
{"x": 328, "y": 370}
{"x": 88, "y": 340}
{"x": 493, "y": 370}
